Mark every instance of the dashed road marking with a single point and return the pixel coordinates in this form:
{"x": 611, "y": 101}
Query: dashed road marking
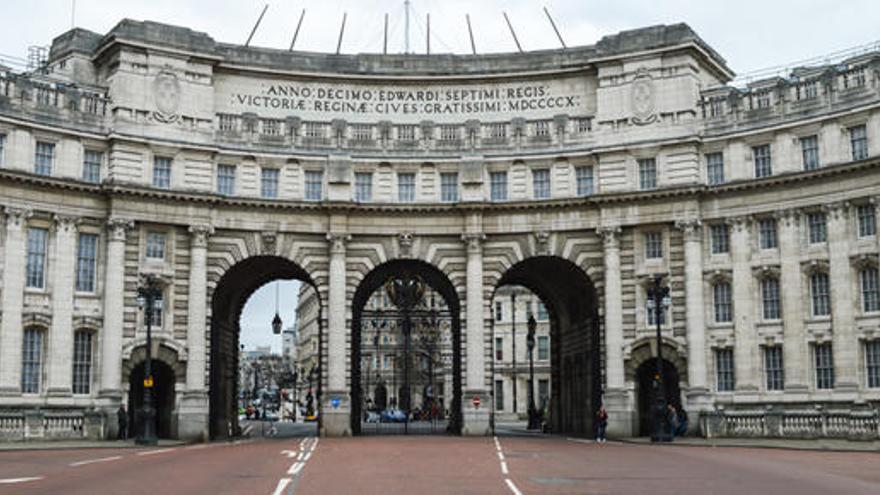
{"x": 10, "y": 481}
{"x": 95, "y": 461}
{"x": 289, "y": 453}
{"x": 159, "y": 451}
{"x": 295, "y": 468}
{"x": 512, "y": 487}
{"x": 501, "y": 456}
{"x": 282, "y": 484}
{"x": 504, "y": 468}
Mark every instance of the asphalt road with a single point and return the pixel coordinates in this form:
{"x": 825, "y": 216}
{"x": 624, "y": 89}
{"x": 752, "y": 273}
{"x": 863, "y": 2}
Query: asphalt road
{"x": 437, "y": 464}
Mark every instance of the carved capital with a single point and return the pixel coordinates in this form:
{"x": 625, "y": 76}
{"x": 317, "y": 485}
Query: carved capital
{"x": 610, "y": 235}
{"x": 474, "y": 241}
{"x": 690, "y": 228}
{"x": 838, "y": 210}
{"x": 337, "y": 242}
{"x": 17, "y": 217}
{"x": 787, "y": 217}
{"x": 766, "y": 271}
{"x": 739, "y": 223}
{"x": 200, "y": 234}
{"x": 119, "y": 227}
{"x": 719, "y": 276}
{"x": 864, "y": 261}
{"x": 815, "y": 266}
{"x": 66, "y": 223}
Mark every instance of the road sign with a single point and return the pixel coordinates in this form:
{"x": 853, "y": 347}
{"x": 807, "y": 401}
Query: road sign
{"x": 335, "y": 402}
{"x": 476, "y": 401}
{"x": 148, "y": 382}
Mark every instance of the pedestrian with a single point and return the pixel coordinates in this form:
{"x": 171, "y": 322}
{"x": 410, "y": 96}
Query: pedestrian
{"x": 601, "y": 424}
{"x": 122, "y": 421}
{"x": 671, "y": 420}
{"x": 682, "y": 421}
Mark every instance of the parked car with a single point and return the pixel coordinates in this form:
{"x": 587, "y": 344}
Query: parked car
{"x": 372, "y": 417}
{"x": 393, "y": 416}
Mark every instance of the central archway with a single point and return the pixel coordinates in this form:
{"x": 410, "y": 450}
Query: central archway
{"x": 230, "y": 295}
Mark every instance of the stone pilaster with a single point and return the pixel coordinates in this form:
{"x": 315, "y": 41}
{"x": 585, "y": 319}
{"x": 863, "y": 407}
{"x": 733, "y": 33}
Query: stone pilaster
{"x": 336, "y": 407}
{"x": 845, "y": 342}
{"x": 795, "y": 352}
{"x": 13, "y": 300}
{"x": 746, "y": 365}
{"x": 695, "y": 310}
{"x": 60, "y": 345}
{"x": 114, "y": 306}
{"x": 476, "y": 419}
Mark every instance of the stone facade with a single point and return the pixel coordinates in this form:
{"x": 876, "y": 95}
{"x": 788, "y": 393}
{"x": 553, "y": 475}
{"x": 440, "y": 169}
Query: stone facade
{"x": 580, "y": 174}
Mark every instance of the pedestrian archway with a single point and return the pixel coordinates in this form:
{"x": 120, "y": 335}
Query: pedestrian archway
{"x": 646, "y": 390}
{"x": 164, "y": 399}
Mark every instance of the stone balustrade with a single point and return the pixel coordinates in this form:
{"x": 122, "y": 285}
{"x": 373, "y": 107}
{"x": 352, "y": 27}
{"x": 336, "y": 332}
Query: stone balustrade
{"x": 856, "y": 423}
{"x": 21, "y": 425}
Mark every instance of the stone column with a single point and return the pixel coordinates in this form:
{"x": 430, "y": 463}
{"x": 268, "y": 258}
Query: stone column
{"x": 795, "y": 352}
{"x": 616, "y": 399}
{"x": 337, "y": 402}
{"x": 845, "y": 342}
{"x": 696, "y": 315}
{"x": 114, "y": 307}
{"x": 476, "y": 419}
{"x": 193, "y": 416}
{"x": 745, "y": 350}
{"x": 60, "y": 345}
{"x": 14, "y": 261}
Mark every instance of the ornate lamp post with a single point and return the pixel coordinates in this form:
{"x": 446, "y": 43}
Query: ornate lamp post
{"x": 534, "y": 420}
{"x": 405, "y": 292}
{"x": 149, "y": 298}
{"x": 658, "y": 302}
{"x": 513, "y": 344}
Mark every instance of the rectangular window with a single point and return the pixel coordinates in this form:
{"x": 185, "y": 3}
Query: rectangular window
{"x": 82, "y": 362}
{"x": 162, "y": 172}
{"x": 542, "y": 312}
{"x": 271, "y": 127}
{"x": 870, "y": 290}
{"x": 543, "y": 393}
{"x": 858, "y": 139}
{"x": 770, "y": 298}
{"x": 499, "y": 349}
{"x": 314, "y": 130}
{"x": 773, "y": 368}
{"x": 867, "y": 220}
{"x": 583, "y": 125}
{"x": 653, "y": 245}
{"x": 541, "y": 183}
{"x": 37, "y": 240}
{"x": 723, "y": 302}
{"x": 762, "y": 99}
{"x": 269, "y": 182}
{"x": 406, "y": 187}
{"x": 32, "y": 361}
{"x": 820, "y": 294}
{"x": 448, "y": 133}
{"x": 363, "y": 186}
{"x": 810, "y": 152}
{"x": 824, "y": 366}
{"x": 724, "y": 376}
{"x": 227, "y": 123}
{"x": 361, "y": 132}
{"x": 2, "y": 148}
{"x": 715, "y": 168}
{"x": 498, "y": 186}
{"x": 542, "y": 128}
{"x": 226, "y": 179}
{"x": 314, "y": 185}
{"x": 543, "y": 347}
{"x": 155, "y": 245}
{"x": 716, "y": 107}
{"x": 449, "y": 187}
{"x": 499, "y": 314}
{"x": 498, "y": 131}
{"x": 406, "y": 133}
{"x": 584, "y": 176}
{"x": 763, "y": 162}
{"x": 157, "y": 313}
{"x": 651, "y": 313}
{"x": 818, "y": 228}
{"x": 647, "y": 173}
{"x": 872, "y": 362}
{"x": 92, "y": 166}
{"x": 719, "y": 236}
{"x": 499, "y": 395}
{"x": 767, "y": 233}
{"x": 44, "y": 158}
{"x": 86, "y": 261}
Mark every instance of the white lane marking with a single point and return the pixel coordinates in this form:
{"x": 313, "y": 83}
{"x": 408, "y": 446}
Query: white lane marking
{"x": 504, "y": 468}
{"x": 307, "y": 457}
{"x": 295, "y": 468}
{"x": 289, "y": 453}
{"x": 282, "y": 484}
{"x": 9, "y": 481}
{"x": 94, "y": 461}
{"x": 512, "y": 487}
{"x": 301, "y": 455}
{"x": 151, "y": 452}
{"x": 501, "y": 456}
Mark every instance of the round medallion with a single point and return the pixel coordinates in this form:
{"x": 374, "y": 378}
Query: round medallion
{"x": 166, "y": 91}
{"x": 643, "y": 98}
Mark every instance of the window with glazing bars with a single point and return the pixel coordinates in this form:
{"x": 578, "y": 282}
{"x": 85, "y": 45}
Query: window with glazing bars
{"x": 498, "y": 130}
{"x": 541, "y": 183}
{"x": 227, "y": 122}
{"x": 406, "y": 132}
{"x": 867, "y": 220}
{"x": 647, "y": 173}
{"x": 542, "y": 312}
{"x": 32, "y": 361}
{"x": 363, "y": 186}
{"x": 271, "y": 127}
{"x": 499, "y": 395}
{"x": 763, "y": 162}
{"x": 226, "y": 179}
{"x": 584, "y": 177}
{"x": 716, "y": 107}
{"x": 770, "y": 298}
{"x": 86, "y": 261}
{"x": 361, "y": 132}
{"x": 653, "y": 245}
{"x": 818, "y": 227}
{"x": 44, "y": 157}
{"x": 824, "y": 360}
{"x": 719, "y": 237}
{"x": 155, "y": 246}
{"x": 35, "y": 270}
{"x": 819, "y": 293}
{"x": 723, "y": 302}
{"x": 269, "y": 182}
{"x": 715, "y": 168}
{"x": 91, "y": 171}
{"x": 448, "y": 132}
{"x": 773, "y": 368}
{"x": 870, "y": 290}
{"x": 543, "y": 392}
{"x": 82, "y": 362}
{"x": 543, "y": 347}
{"x": 314, "y": 185}
{"x": 162, "y": 172}
{"x": 872, "y": 363}
{"x": 499, "y": 348}
{"x": 542, "y": 128}
{"x": 762, "y": 99}
{"x": 651, "y": 313}
{"x": 858, "y": 138}
{"x": 810, "y": 152}
{"x": 584, "y": 125}
{"x": 498, "y": 186}
{"x": 449, "y": 187}
{"x": 767, "y": 233}
{"x": 406, "y": 187}
{"x": 724, "y": 371}
{"x": 157, "y": 313}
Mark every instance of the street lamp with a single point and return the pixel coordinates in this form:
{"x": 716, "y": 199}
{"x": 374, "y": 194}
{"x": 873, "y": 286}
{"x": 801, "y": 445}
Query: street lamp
{"x": 405, "y": 292}
{"x": 149, "y": 297}
{"x": 534, "y": 420}
{"x": 658, "y": 302}
{"x": 513, "y": 344}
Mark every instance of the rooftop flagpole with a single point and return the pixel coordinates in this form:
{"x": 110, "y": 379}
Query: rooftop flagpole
{"x": 259, "y": 20}
{"x": 296, "y": 33}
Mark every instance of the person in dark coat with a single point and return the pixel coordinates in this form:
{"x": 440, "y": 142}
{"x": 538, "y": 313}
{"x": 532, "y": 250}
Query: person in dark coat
{"x": 122, "y": 420}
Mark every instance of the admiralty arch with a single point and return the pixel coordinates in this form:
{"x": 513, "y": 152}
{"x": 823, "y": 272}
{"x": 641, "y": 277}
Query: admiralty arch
{"x": 582, "y": 174}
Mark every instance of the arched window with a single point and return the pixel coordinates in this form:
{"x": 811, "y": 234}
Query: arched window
{"x": 32, "y": 361}
{"x": 870, "y": 290}
{"x": 819, "y": 294}
{"x": 722, "y": 302}
{"x": 82, "y": 362}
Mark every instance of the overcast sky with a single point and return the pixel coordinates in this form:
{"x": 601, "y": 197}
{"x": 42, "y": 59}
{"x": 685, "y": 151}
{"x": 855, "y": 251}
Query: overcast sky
{"x": 750, "y": 34}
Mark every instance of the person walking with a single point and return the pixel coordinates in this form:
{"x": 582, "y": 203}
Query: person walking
{"x": 601, "y": 424}
{"x": 122, "y": 421}
{"x": 671, "y": 420}
{"x": 682, "y": 428}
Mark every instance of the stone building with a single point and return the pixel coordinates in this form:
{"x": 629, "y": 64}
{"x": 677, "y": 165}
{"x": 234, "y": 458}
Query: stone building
{"x": 580, "y": 174}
